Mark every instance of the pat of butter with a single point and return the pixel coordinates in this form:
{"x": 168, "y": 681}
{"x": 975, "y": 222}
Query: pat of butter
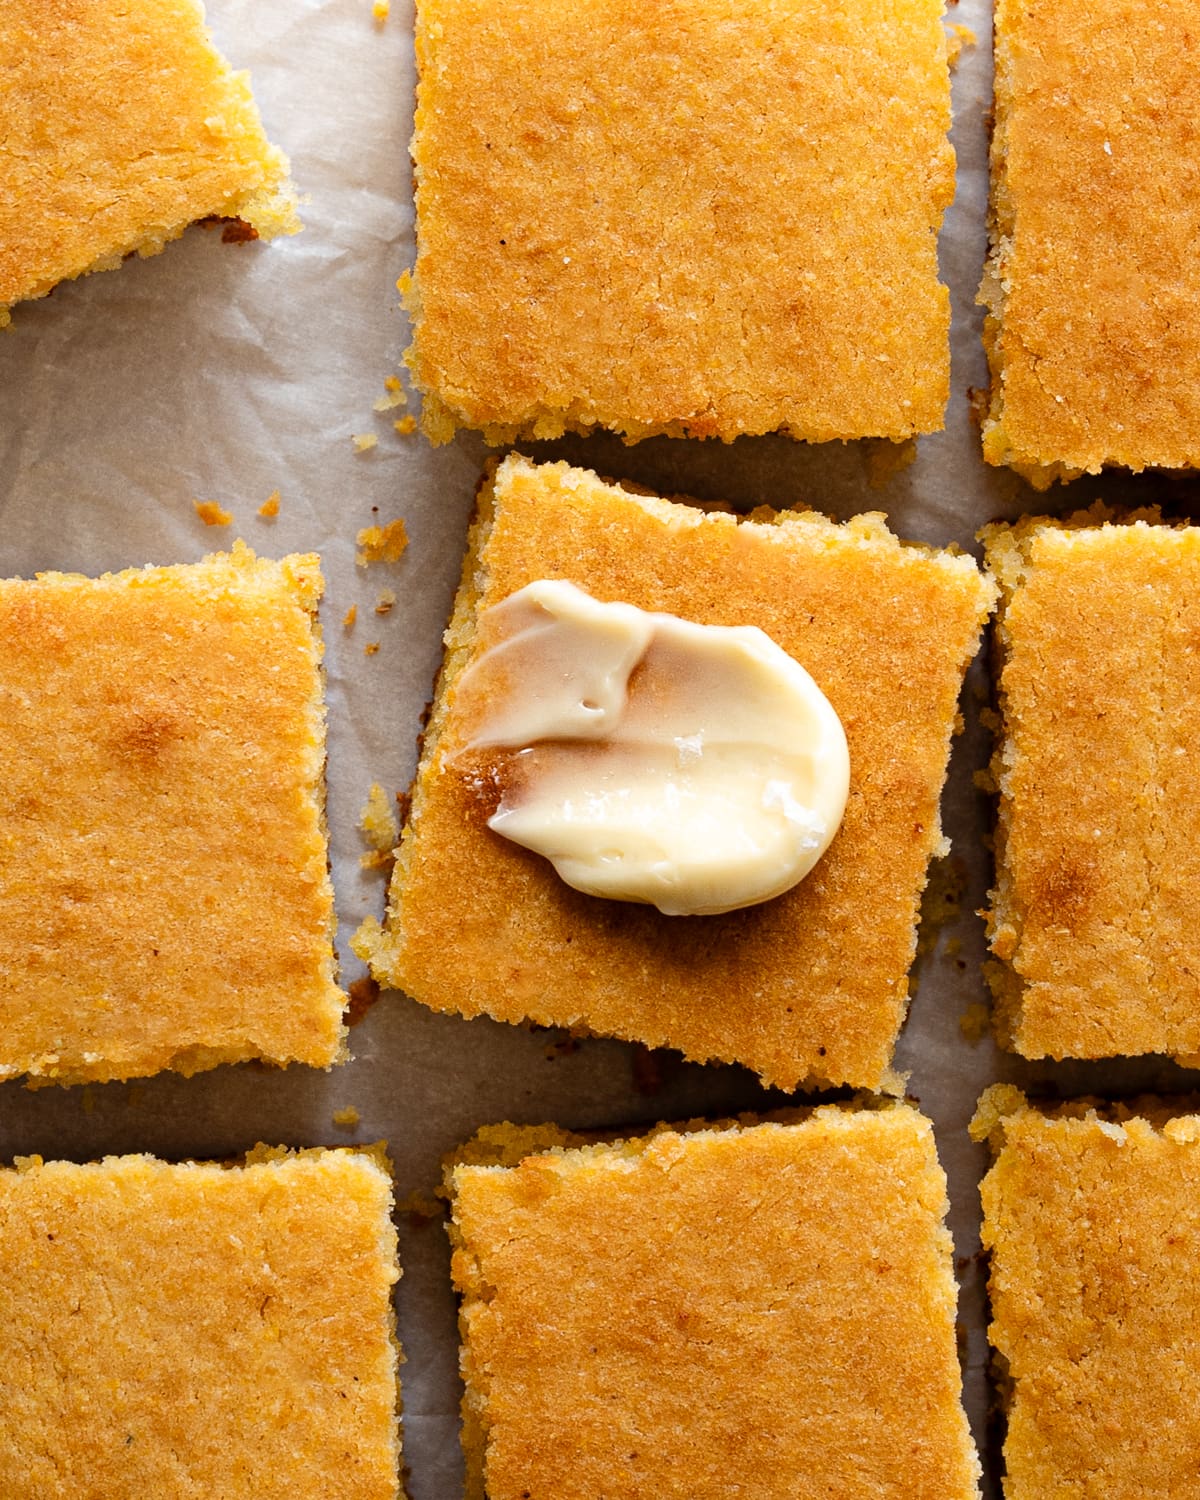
{"x": 696, "y": 768}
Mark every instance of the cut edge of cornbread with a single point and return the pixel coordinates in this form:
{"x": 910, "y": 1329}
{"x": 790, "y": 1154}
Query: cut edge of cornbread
{"x": 1006, "y": 551}
{"x": 300, "y": 574}
{"x": 381, "y": 945}
{"x": 496, "y": 1149}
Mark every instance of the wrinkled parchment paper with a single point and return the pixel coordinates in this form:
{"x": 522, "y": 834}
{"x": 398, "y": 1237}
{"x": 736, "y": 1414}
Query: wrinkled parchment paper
{"x": 224, "y": 373}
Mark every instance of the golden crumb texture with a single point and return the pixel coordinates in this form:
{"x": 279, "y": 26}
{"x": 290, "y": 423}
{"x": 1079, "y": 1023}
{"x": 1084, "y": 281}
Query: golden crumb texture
{"x": 165, "y": 899}
{"x": 1092, "y": 1219}
{"x": 1092, "y": 286}
{"x": 120, "y": 125}
{"x": 199, "y": 1330}
{"x": 698, "y": 217}
{"x": 809, "y": 986}
{"x": 648, "y": 1317}
{"x": 1096, "y": 909}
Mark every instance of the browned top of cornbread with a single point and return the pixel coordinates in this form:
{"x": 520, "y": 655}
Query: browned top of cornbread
{"x": 164, "y": 893}
{"x": 1097, "y": 906}
{"x": 1096, "y": 216}
{"x": 1094, "y": 1230}
{"x": 668, "y": 1316}
{"x": 120, "y": 124}
{"x": 810, "y": 985}
{"x": 706, "y": 217}
{"x": 197, "y": 1331}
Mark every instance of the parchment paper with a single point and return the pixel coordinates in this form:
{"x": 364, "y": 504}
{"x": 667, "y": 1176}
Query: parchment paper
{"x": 224, "y": 372}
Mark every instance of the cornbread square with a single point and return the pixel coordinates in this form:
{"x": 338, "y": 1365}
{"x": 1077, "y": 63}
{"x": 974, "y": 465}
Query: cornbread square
{"x": 1093, "y": 1224}
{"x": 164, "y": 892}
{"x": 809, "y": 986}
{"x": 197, "y": 1331}
{"x": 713, "y": 218}
{"x": 692, "y": 1314}
{"x": 120, "y": 125}
{"x": 1092, "y": 285}
{"x": 1097, "y": 899}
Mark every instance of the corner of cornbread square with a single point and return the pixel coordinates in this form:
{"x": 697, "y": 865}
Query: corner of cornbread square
{"x": 1097, "y": 858}
{"x": 811, "y": 985}
{"x": 199, "y": 1331}
{"x": 703, "y": 218}
{"x": 1092, "y": 1218}
{"x": 120, "y": 125}
{"x": 164, "y": 890}
{"x": 1092, "y": 286}
{"x": 710, "y": 1311}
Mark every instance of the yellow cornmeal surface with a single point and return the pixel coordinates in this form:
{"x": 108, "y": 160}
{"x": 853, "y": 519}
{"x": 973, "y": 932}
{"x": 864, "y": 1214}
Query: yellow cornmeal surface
{"x": 195, "y": 1331}
{"x": 650, "y": 1317}
{"x": 120, "y": 125}
{"x": 811, "y": 985}
{"x": 1097, "y": 907}
{"x": 164, "y": 893}
{"x": 1093, "y": 1224}
{"x": 703, "y": 217}
{"x": 1094, "y": 333}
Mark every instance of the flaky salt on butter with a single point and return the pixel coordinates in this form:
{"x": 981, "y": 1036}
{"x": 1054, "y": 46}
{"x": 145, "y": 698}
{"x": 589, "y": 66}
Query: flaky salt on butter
{"x": 695, "y": 768}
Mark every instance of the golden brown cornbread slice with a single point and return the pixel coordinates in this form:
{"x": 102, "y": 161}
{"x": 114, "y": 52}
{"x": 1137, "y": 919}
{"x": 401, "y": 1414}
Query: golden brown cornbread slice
{"x": 1093, "y": 1223}
{"x": 164, "y": 893}
{"x": 1097, "y": 905}
{"x": 705, "y": 217}
{"x": 120, "y": 125}
{"x": 656, "y": 1316}
{"x": 811, "y": 985}
{"x": 195, "y": 1331}
{"x": 1093, "y": 332}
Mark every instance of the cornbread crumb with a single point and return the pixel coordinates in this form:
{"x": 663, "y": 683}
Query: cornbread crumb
{"x": 1097, "y": 865}
{"x": 381, "y": 9}
{"x": 122, "y": 125}
{"x": 405, "y": 425}
{"x": 184, "y": 920}
{"x": 394, "y": 395}
{"x": 381, "y": 543}
{"x": 386, "y": 602}
{"x": 595, "y": 179}
{"x": 1092, "y": 286}
{"x": 199, "y": 1329}
{"x": 1092, "y": 1221}
{"x": 213, "y": 514}
{"x": 631, "y": 1309}
{"x": 789, "y": 988}
{"x": 363, "y": 441}
{"x": 371, "y": 648}
{"x": 270, "y": 506}
{"x": 346, "y": 1118}
{"x": 378, "y": 821}
{"x": 958, "y": 37}
{"x": 350, "y": 617}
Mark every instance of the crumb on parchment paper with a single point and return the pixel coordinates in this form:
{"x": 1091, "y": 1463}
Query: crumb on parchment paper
{"x": 270, "y": 506}
{"x": 380, "y": 828}
{"x": 212, "y": 514}
{"x": 346, "y": 1118}
{"x": 350, "y": 616}
{"x": 363, "y": 441}
{"x": 405, "y": 425}
{"x": 381, "y": 543}
{"x": 387, "y": 602}
{"x": 958, "y": 37}
{"x": 371, "y": 648}
{"x": 381, "y": 9}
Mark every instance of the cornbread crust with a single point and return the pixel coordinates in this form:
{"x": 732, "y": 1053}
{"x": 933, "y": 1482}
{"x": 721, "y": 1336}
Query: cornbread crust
{"x": 198, "y": 1330}
{"x": 1093, "y": 333}
{"x": 120, "y": 125}
{"x": 165, "y": 899}
{"x": 1097, "y": 899}
{"x": 809, "y": 986}
{"x": 703, "y": 218}
{"x": 1093, "y": 1223}
{"x": 638, "y": 1317}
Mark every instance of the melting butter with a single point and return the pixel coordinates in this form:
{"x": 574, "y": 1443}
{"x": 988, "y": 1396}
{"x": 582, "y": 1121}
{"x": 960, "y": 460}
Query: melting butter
{"x": 696, "y": 768}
